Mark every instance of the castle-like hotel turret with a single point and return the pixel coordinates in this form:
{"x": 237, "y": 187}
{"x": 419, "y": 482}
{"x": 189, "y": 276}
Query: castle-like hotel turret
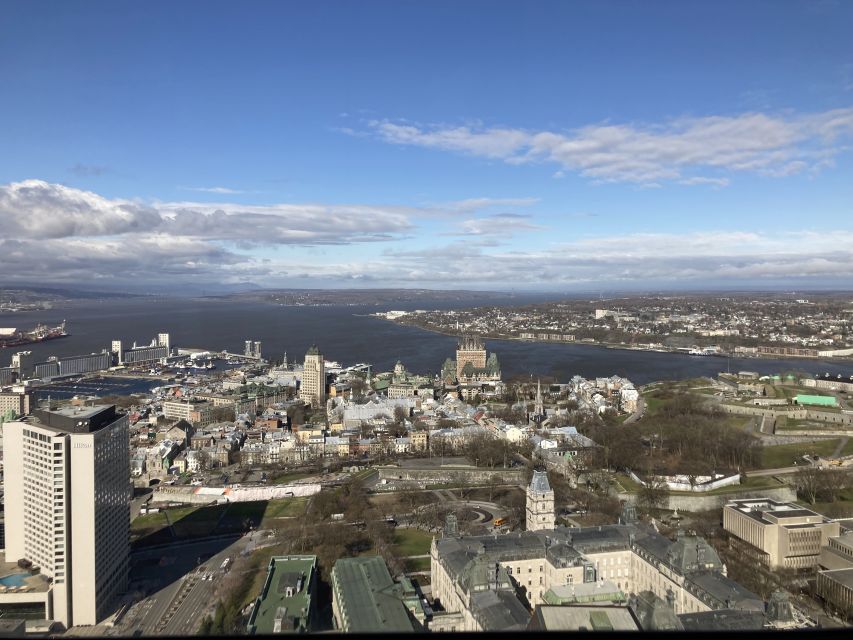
{"x": 474, "y": 371}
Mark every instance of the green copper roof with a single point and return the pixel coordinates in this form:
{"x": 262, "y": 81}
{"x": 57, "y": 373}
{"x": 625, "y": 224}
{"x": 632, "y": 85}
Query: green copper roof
{"x": 285, "y": 572}
{"x": 367, "y": 596}
{"x": 823, "y": 401}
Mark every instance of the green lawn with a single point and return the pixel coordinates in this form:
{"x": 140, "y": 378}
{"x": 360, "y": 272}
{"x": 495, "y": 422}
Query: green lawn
{"x": 653, "y": 405}
{"x": 411, "y": 542}
{"x": 362, "y": 474}
{"x": 784, "y": 455}
{"x": 286, "y": 507}
{"x": 848, "y": 448}
{"x": 195, "y": 522}
{"x": 284, "y": 478}
{"x": 417, "y": 564}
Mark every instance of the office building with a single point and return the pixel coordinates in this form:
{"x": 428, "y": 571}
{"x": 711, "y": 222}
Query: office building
{"x": 18, "y": 403}
{"x": 288, "y": 599}
{"x": 779, "y": 534}
{"x": 366, "y": 600}
{"x": 312, "y": 389}
{"x": 67, "y": 506}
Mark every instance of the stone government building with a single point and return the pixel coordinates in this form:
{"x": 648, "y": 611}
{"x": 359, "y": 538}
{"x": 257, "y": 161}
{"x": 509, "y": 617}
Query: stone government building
{"x": 492, "y": 582}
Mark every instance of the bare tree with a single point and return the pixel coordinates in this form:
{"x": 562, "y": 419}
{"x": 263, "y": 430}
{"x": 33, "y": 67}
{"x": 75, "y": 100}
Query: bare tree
{"x": 654, "y": 494}
{"x": 809, "y": 482}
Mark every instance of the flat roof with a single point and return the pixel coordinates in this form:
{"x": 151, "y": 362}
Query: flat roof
{"x": 284, "y": 572}
{"x": 372, "y": 599}
{"x": 558, "y": 618}
{"x": 843, "y": 576}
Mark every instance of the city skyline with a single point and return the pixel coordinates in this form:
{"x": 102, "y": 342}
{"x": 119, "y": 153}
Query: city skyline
{"x": 563, "y": 147}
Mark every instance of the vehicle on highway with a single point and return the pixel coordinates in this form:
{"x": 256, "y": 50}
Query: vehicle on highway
{"x": 500, "y": 522}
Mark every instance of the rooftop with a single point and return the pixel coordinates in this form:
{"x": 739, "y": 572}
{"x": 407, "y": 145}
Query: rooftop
{"x": 286, "y": 596}
{"x": 842, "y": 576}
{"x": 602, "y": 618}
{"x": 74, "y": 419}
{"x": 371, "y": 599}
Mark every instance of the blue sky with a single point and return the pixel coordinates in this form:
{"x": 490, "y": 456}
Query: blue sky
{"x": 546, "y": 146}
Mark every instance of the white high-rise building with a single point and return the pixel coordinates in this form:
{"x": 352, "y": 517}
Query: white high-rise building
{"x": 116, "y": 348}
{"x": 67, "y": 505}
{"x": 163, "y": 341}
{"x": 312, "y": 388}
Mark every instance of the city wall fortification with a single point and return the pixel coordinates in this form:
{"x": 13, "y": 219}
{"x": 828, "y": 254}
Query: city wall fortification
{"x": 699, "y": 502}
{"x": 441, "y": 475}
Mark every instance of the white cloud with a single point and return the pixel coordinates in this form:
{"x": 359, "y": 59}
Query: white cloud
{"x": 773, "y": 145}
{"x": 500, "y": 224}
{"x": 633, "y": 261}
{"x": 219, "y": 190}
{"x": 38, "y": 209}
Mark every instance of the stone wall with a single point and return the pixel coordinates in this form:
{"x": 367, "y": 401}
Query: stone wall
{"x": 206, "y": 495}
{"x": 440, "y": 475}
{"x": 699, "y": 502}
{"x": 793, "y": 413}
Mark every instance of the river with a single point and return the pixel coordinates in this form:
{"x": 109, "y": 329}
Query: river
{"x": 349, "y": 335}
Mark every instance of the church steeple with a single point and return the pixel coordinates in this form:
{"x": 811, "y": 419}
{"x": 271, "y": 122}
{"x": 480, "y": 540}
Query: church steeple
{"x": 539, "y": 410}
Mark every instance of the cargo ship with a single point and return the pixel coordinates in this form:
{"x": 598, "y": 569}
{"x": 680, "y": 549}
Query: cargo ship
{"x": 12, "y": 337}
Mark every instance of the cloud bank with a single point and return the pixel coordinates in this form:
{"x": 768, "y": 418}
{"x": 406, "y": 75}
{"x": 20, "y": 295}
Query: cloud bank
{"x": 54, "y": 234}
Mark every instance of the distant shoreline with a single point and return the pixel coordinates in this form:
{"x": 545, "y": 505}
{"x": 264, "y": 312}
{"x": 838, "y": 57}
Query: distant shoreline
{"x": 624, "y": 347}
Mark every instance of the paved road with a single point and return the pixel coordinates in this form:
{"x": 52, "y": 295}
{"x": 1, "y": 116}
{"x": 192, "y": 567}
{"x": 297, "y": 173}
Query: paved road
{"x": 641, "y": 409}
{"x": 773, "y": 472}
{"x": 177, "y": 608}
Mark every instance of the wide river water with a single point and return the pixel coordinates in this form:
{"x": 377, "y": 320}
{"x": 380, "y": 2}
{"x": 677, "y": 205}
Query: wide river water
{"x": 349, "y": 335}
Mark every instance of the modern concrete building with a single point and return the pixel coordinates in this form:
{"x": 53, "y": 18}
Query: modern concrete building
{"x": 779, "y": 534}
{"x": 312, "y": 389}
{"x": 198, "y": 414}
{"x": 540, "y": 503}
{"x": 838, "y": 552}
{"x": 19, "y": 403}
{"x": 287, "y": 602}
{"x": 67, "y": 505}
{"x": 163, "y": 340}
{"x": 836, "y": 588}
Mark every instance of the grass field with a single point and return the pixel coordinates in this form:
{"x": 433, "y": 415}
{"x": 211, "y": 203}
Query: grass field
{"x": 284, "y": 478}
{"x": 285, "y": 508}
{"x": 196, "y": 522}
{"x": 841, "y": 508}
{"x": 417, "y": 564}
{"x": 784, "y": 455}
{"x": 411, "y": 542}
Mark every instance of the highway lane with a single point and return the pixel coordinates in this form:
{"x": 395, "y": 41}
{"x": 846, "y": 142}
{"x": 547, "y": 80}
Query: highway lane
{"x": 147, "y": 616}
